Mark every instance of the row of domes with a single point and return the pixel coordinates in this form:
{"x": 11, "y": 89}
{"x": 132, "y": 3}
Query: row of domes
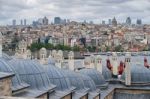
{"x": 30, "y": 73}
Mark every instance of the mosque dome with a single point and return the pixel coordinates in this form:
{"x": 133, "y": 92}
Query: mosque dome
{"x": 96, "y": 76}
{"x": 75, "y": 80}
{"x": 32, "y": 73}
{"x": 106, "y": 73}
{"x": 17, "y": 83}
{"x": 139, "y": 74}
{"x": 6, "y": 57}
{"x": 88, "y": 82}
{"x": 57, "y": 77}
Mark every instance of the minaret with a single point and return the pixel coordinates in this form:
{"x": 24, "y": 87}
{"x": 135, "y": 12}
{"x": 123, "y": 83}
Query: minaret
{"x": 114, "y": 64}
{"x": 59, "y": 59}
{"x": 128, "y": 69}
{"x": 43, "y": 54}
{"x": 99, "y": 63}
{"x": 71, "y": 60}
{"x": 92, "y": 61}
{"x": 1, "y": 44}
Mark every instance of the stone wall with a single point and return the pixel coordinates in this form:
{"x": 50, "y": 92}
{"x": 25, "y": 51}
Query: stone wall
{"x": 67, "y": 97}
{"x": 85, "y": 97}
{"x": 5, "y": 87}
{"x": 97, "y": 97}
{"x": 44, "y": 96}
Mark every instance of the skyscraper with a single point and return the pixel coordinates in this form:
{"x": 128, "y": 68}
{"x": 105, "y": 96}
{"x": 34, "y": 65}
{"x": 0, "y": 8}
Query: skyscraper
{"x": 25, "y": 22}
{"x": 21, "y": 22}
{"x": 139, "y": 22}
{"x": 128, "y": 21}
{"x": 103, "y": 22}
{"x": 114, "y": 22}
{"x": 45, "y": 21}
{"x": 109, "y": 21}
{"x": 14, "y": 22}
{"x": 57, "y": 20}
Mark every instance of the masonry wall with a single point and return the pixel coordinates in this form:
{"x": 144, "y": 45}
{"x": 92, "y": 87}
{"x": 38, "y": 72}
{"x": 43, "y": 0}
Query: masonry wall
{"x": 5, "y": 87}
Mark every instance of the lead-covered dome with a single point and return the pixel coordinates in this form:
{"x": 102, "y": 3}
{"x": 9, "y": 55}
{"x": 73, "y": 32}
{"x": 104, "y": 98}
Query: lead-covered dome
{"x": 139, "y": 74}
{"x": 6, "y": 56}
{"x": 106, "y": 73}
{"x": 75, "y": 80}
{"x": 57, "y": 77}
{"x": 17, "y": 83}
{"x": 96, "y": 76}
{"x": 32, "y": 73}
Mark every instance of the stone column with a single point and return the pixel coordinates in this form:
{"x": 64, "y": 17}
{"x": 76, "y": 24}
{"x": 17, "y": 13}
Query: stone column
{"x": 128, "y": 69}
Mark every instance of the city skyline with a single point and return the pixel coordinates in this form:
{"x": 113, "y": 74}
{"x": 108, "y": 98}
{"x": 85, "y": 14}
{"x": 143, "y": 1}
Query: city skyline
{"x": 91, "y": 10}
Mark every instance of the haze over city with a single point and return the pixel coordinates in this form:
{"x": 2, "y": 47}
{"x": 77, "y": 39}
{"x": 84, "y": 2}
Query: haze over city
{"x": 77, "y": 10}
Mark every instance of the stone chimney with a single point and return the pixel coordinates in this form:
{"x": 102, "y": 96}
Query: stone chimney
{"x": 114, "y": 64}
{"x": 128, "y": 69}
{"x": 99, "y": 63}
{"x": 92, "y": 61}
{"x": 28, "y": 54}
{"x": 87, "y": 62}
{"x": 22, "y": 47}
{"x": 1, "y": 44}
{"x": 43, "y": 56}
{"x": 59, "y": 58}
{"x": 71, "y": 60}
{"x": 53, "y": 53}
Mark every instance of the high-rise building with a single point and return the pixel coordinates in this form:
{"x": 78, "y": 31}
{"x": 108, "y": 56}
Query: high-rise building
{"x": 21, "y": 22}
{"x": 139, "y": 22}
{"x": 109, "y": 21}
{"x": 128, "y": 21}
{"x": 103, "y": 22}
{"x": 114, "y": 22}
{"x": 45, "y": 21}
{"x": 57, "y": 20}
{"x": 14, "y": 22}
{"x": 25, "y": 22}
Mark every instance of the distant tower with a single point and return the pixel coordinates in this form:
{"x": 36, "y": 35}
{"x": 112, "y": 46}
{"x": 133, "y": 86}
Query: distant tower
{"x": 21, "y": 22}
{"x": 25, "y": 22}
{"x": 114, "y": 22}
{"x": 128, "y": 69}
{"x": 99, "y": 63}
{"x": 139, "y": 22}
{"x": 71, "y": 60}
{"x": 109, "y": 21}
{"x": 114, "y": 64}
{"x": 1, "y": 44}
{"x": 57, "y": 20}
{"x": 14, "y": 22}
{"x": 128, "y": 21}
{"x": 103, "y": 22}
{"x": 45, "y": 21}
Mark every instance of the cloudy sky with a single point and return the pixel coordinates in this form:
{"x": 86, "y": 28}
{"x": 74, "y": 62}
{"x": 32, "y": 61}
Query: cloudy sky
{"x": 79, "y": 10}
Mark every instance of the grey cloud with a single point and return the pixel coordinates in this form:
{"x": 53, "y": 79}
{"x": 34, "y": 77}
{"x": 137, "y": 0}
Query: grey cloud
{"x": 73, "y": 9}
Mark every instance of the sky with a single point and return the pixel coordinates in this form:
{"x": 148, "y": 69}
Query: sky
{"x": 77, "y": 10}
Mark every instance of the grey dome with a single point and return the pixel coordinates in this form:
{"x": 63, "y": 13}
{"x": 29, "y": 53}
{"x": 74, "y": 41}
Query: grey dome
{"x": 51, "y": 61}
{"x": 17, "y": 83}
{"x": 106, "y": 73}
{"x": 32, "y": 73}
{"x": 96, "y": 76}
{"x": 139, "y": 74}
{"x": 57, "y": 77}
{"x": 6, "y": 56}
{"x": 75, "y": 80}
{"x": 88, "y": 82}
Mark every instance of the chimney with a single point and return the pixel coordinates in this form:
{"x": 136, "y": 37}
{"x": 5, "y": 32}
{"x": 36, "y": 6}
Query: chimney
{"x": 1, "y": 44}
{"x": 92, "y": 61}
{"x": 71, "y": 60}
{"x": 43, "y": 56}
{"x": 99, "y": 64}
{"x": 114, "y": 64}
{"x": 87, "y": 62}
{"x": 146, "y": 63}
{"x": 128, "y": 69}
{"x": 28, "y": 54}
{"x": 59, "y": 59}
